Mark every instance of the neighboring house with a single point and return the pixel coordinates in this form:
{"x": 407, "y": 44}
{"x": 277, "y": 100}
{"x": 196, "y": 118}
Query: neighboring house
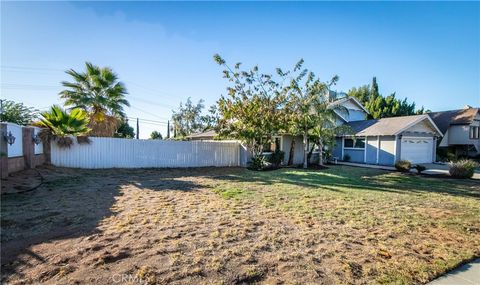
{"x": 461, "y": 129}
{"x": 203, "y": 136}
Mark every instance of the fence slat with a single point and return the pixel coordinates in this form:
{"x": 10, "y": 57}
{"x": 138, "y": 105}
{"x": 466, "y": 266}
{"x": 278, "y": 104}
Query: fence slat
{"x": 130, "y": 153}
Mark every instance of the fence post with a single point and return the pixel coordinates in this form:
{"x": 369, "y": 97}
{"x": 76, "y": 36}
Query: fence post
{"x": 28, "y": 147}
{"x": 47, "y": 151}
{"x": 3, "y": 152}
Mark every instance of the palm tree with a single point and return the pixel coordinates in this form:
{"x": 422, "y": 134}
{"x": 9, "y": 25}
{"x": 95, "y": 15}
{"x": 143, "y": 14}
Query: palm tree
{"x": 61, "y": 124}
{"x": 100, "y": 94}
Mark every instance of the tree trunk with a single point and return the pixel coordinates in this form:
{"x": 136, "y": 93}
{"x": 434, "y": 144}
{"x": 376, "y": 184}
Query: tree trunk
{"x": 305, "y": 150}
{"x": 292, "y": 149}
{"x": 320, "y": 154}
{"x": 310, "y": 153}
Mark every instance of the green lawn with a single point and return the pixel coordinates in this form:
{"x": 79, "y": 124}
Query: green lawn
{"x": 418, "y": 226}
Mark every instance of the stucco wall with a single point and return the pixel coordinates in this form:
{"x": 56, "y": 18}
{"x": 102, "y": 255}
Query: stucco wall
{"x": 15, "y": 149}
{"x": 387, "y": 150}
{"x": 298, "y": 150}
{"x": 371, "y": 147}
{"x": 356, "y": 155}
{"x": 16, "y": 164}
{"x": 337, "y": 149}
{"x": 460, "y": 135}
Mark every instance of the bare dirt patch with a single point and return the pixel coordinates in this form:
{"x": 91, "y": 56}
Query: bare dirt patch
{"x": 234, "y": 226}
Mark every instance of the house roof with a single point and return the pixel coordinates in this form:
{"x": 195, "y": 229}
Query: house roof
{"x": 453, "y": 117}
{"x": 388, "y": 126}
{"x": 210, "y": 134}
{"x": 348, "y": 98}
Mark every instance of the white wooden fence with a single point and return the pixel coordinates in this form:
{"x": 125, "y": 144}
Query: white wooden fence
{"x": 130, "y": 153}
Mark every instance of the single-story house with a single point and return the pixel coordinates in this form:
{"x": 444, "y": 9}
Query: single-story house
{"x": 385, "y": 141}
{"x": 461, "y": 129}
{"x": 381, "y": 141}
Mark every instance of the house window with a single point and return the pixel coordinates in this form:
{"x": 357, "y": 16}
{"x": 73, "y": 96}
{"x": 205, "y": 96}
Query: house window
{"x": 474, "y": 133}
{"x": 354, "y": 143}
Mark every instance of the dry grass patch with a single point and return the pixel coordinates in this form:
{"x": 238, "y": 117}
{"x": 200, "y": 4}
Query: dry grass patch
{"x": 233, "y": 226}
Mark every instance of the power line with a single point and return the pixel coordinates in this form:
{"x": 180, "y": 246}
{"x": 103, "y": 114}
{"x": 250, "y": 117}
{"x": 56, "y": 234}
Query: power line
{"x": 30, "y": 68}
{"x": 151, "y": 102}
{"x": 27, "y": 86}
{"x": 146, "y": 121}
{"x": 149, "y": 113}
{"x": 36, "y": 69}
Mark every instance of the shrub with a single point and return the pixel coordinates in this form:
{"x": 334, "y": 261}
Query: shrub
{"x": 403, "y": 165}
{"x": 257, "y": 162}
{"x": 446, "y": 154}
{"x": 83, "y": 140}
{"x": 346, "y": 157}
{"x": 277, "y": 157}
{"x": 462, "y": 168}
{"x": 64, "y": 142}
{"x": 420, "y": 168}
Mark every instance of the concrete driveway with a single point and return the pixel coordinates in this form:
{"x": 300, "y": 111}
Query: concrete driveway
{"x": 468, "y": 274}
{"x": 435, "y": 168}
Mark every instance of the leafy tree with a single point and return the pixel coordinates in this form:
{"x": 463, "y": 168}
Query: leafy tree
{"x": 210, "y": 120}
{"x": 251, "y": 110}
{"x": 187, "y": 119}
{"x": 17, "y": 113}
{"x": 60, "y": 124}
{"x": 155, "y": 135}
{"x": 309, "y": 110}
{"x": 383, "y": 107}
{"x": 125, "y": 131}
{"x": 99, "y": 92}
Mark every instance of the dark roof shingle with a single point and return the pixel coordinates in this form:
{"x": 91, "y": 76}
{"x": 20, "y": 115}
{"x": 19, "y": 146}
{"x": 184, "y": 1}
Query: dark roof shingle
{"x": 444, "y": 119}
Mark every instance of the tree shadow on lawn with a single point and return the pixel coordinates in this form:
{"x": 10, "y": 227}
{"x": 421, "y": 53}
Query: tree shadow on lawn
{"x": 341, "y": 178}
{"x": 71, "y": 203}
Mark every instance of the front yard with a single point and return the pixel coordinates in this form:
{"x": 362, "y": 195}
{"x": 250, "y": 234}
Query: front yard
{"x": 234, "y": 226}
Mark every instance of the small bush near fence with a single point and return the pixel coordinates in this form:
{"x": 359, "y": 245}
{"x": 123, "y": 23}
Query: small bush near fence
{"x": 346, "y": 157}
{"x": 403, "y": 165}
{"x": 462, "y": 168}
{"x": 277, "y": 157}
{"x": 258, "y": 162}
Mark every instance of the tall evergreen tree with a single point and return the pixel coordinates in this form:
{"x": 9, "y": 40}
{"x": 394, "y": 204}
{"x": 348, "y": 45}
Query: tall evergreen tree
{"x": 383, "y": 107}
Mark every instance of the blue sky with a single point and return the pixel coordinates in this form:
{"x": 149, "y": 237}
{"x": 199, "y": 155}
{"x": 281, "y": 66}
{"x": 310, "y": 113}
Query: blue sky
{"x": 428, "y": 52}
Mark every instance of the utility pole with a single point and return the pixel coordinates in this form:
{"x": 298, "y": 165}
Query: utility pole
{"x": 138, "y": 131}
{"x": 168, "y": 129}
{"x": 1, "y": 106}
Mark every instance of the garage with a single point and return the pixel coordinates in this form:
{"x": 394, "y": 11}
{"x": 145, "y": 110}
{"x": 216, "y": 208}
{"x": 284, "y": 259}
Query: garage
{"x": 417, "y": 149}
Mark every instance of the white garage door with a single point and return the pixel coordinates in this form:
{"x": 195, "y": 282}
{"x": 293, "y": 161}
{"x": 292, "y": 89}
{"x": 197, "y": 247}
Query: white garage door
{"x": 417, "y": 150}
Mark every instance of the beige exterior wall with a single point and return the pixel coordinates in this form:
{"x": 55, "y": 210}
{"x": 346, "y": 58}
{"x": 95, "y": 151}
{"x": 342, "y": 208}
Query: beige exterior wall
{"x": 422, "y": 127}
{"x": 298, "y": 151}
